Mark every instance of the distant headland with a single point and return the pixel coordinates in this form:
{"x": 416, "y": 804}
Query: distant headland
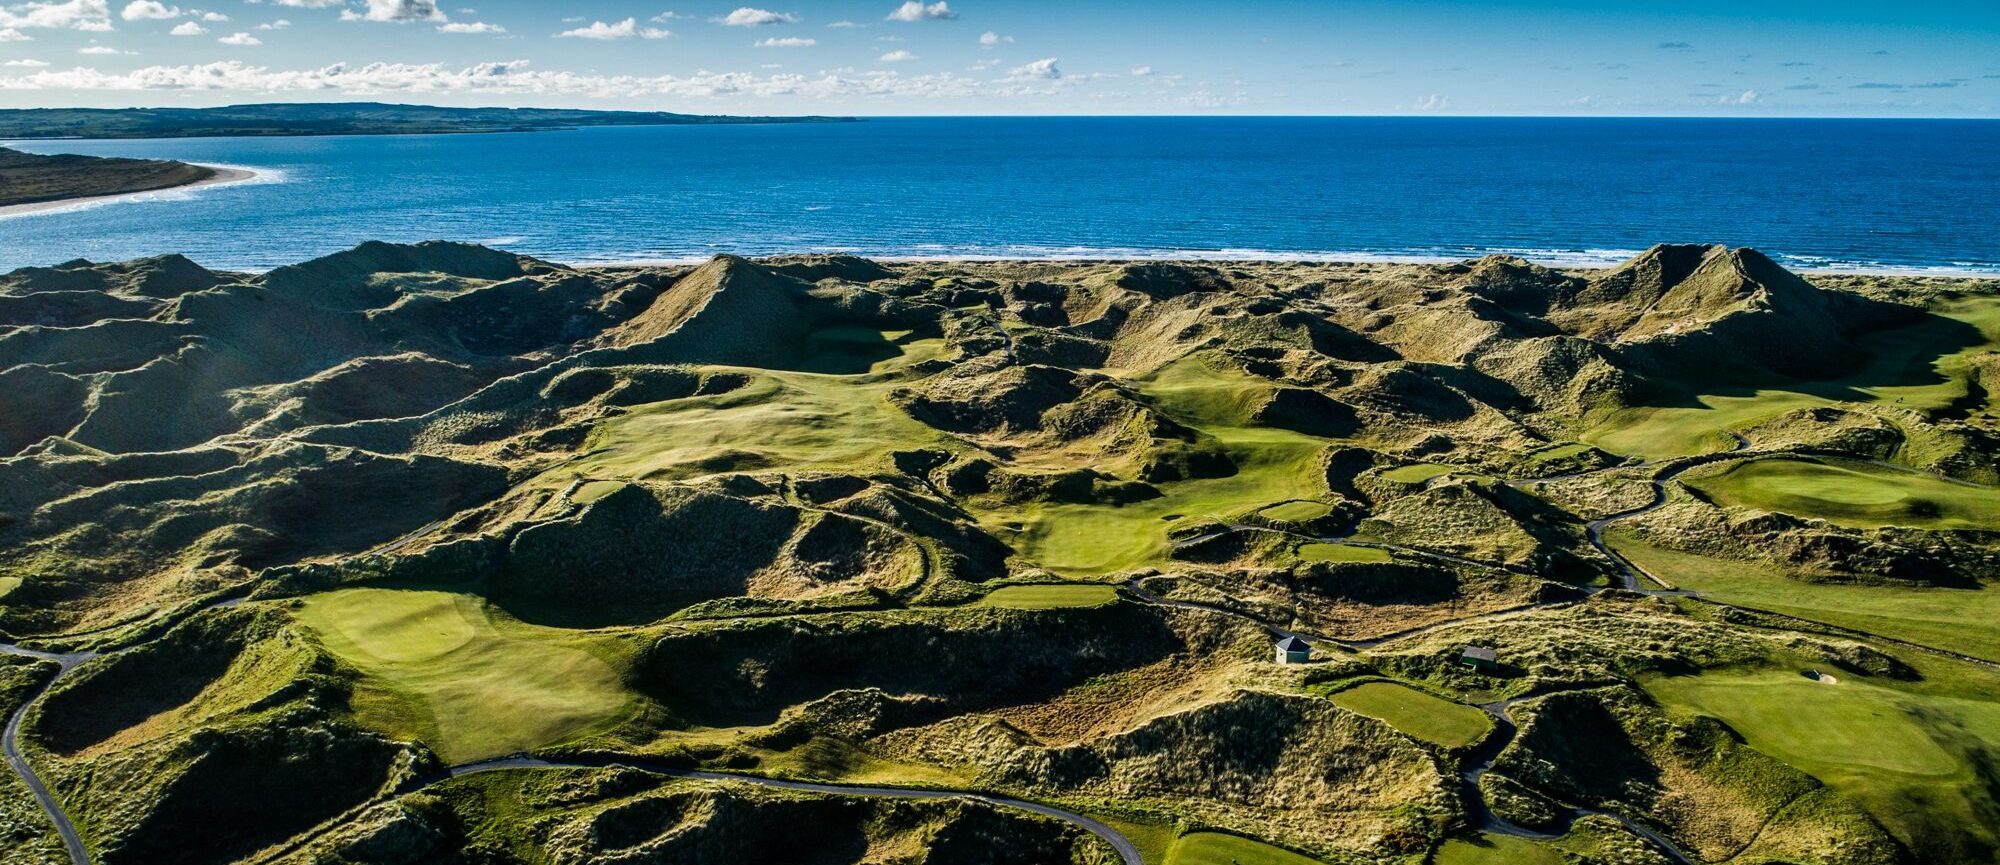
{"x": 336, "y": 118}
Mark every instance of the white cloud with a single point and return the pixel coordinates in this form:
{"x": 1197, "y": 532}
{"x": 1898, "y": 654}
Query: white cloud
{"x": 746, "y": 16}
{"x": 1745, "y": 98}
{"x": 243, "y": 39}
{"x": 625, "y": 29}
{"x": 1433, "y": 102}
{"x": 398, "y": 11}
{"x": 142, "y": 10}
{"x": 279, "y": 24}
{"x": 844, "y": 25}
{"x": 91, "y": 15}
{"x": 1141, "y": 71}
{"x": 187, "y": 28}
{"x": 28, "y": 63}
{"x": 312, "y": 4}
{"x": 664, "y": 17}
{"x": 9, "y": 34}
{"x": 897, "y": 56}
{"x": 98, "y": 49}
{"x": 913, "y": 10}
{"x": 1044, "y": 68}
{"x": 787, "y": 42}
{"x": 513, "y": 77}
{"x": 991, "y": 38}
{"x": 470, "y": 27}
{"x": 209, "y": 16}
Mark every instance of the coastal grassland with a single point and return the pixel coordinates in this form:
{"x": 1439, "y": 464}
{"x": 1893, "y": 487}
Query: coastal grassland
{"x": 1855, "y": 494}
{"x": 1432, "y": 719}
{"x": 802, "y": 421}
{"x": 1273, "y": 466}
{"x": 1325, "y": 552}
{"x": 1154, "y": 840}
{"x": 1960, "y": 620}
{"x": 1049, "y": 597}
{"x": 1488, "y": 849}
{"x": 455, "y": 672}
{"x": 1927, "y": 366}
{"x": 1916, "y": 754}
{"x": 26, "y": 835}
{"x": 1218, "y": 848}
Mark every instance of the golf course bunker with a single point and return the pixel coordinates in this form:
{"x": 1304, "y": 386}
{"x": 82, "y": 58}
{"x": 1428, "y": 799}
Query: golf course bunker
{"x": 442, "y": 668}
{"x": 1855, "y": 494}
{"x": 1429, "y": 718}
{"x": 1050, "y": 597}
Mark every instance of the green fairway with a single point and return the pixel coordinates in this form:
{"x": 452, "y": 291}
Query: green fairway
{"x": 1415, "y": 473}
{"x": 1961, "y": 620}
{"x": 1559, "y": 452}
{"x": 1486, "y": 849}
{"x": 1414, "y": 712}
{"x": 1852, "y": 494}
{"x": 444, "y": 668}
{"x": 1216, "y": 848}
{"x": 1924, "y": 366}
{"x": 1273, "y": 465}
{"x": 1321, "y": 552}
{"x": 1049, "y": 597}
{"x": 1295, "y": 512}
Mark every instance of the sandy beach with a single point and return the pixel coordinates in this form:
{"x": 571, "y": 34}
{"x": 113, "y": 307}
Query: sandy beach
{"x": 222, "y": 176}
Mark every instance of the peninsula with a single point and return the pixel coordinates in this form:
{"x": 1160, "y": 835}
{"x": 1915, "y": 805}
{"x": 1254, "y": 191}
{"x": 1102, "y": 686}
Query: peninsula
{"x": 30, "y": 181}
{"x": 335, "y": 118}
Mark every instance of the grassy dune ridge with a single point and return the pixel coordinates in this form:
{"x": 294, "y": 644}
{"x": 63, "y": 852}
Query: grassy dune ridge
{"x": 817, "y": 517}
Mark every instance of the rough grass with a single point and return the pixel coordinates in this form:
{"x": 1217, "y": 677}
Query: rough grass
{"x": 1273, "y": 466}
{"x": 1916, "y": 755}
{"x": 1426, "y": 717}
{"x": 1957, "y": 619}
{"x": 1920, "y": 366}
{"x": 448, "y": 669}
{"x": 1852, "y": 494}
{"x": 1484, "y": 849}
{"x": 1216, "y": 848}
{"x": 1319, "y": 552}
{"x": 1049, "y": 597}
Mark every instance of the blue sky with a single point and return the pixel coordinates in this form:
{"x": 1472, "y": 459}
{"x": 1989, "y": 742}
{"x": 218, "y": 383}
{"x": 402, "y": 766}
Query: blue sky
{"x": 880, "y": 57}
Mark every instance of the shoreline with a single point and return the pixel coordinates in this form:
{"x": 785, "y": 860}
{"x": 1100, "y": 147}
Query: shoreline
{"x": 223, "y": 176}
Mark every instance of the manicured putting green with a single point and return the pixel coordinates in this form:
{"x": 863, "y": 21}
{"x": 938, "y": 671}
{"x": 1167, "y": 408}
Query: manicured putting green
{"x": 1049, "y": 597}
{"x": 1414, "y": 473}
{"x": 1853, "y": 494}
{"x": 1295, "y": 512}
{"x": 443, "y": 668}
{"x": 1559, "y": 452}
{"x": 1487, "y": 849}
{"x": 1320, "y": 552}
{"x": 1429, "y": 718}
{"x": 1216, "y": 848}
{"x": 1823, "y": 729}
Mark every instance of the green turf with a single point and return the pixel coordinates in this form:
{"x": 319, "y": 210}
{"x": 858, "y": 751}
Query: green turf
{"x": 1559, "y": 452}
{"x": 1154, "y": 840}
{"x": 1921, "y": 366}
{"x": 1320, "y": 552}
{"x": 1852, "y": 494}
{"x": 1216, "y": 848}
{"x": 1426, "y": 717}
{"x": 1415, "y": 473}
{"x": 449, "y": 670}
{"x": 1273, "y": 465}
{"x": 1295, "y": 512}
{"x": 8, "y": 584}
{"x": 1912, "y": 753}
{"x": 1485, "y": 849}
{"x": 1049, "y": 597}
{"x": 1961, "y": 620}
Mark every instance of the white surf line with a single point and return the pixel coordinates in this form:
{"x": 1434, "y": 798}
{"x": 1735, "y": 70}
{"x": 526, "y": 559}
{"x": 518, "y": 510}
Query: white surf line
{"x": 226, "y": 175}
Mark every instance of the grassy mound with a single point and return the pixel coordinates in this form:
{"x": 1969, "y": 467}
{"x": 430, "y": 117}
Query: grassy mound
{"x": 1426, "y": 717}
{"x": 1852, "y": 494}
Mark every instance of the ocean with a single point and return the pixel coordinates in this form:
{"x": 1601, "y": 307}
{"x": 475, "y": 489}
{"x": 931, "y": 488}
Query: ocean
{"x": 1899, "y": 195}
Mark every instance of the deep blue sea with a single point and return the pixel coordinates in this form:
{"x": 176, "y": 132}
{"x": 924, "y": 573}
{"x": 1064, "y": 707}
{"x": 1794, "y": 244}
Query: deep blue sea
{"x": 1826, "y": 194}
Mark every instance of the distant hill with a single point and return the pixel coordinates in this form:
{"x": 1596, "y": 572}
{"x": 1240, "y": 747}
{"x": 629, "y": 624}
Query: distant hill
{"x": 334, "y": 118}
{"x": 27, "y": 178}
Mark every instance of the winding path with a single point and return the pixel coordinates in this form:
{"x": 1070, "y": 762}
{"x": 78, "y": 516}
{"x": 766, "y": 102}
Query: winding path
{"x": 11, "y": 745}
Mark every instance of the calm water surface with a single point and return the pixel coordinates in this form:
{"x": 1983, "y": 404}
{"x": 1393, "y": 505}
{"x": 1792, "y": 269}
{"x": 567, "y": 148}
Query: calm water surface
{"x": 1843, "y": 194}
